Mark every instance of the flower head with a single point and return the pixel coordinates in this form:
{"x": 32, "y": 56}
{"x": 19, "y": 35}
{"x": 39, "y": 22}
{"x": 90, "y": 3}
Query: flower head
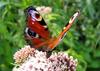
{"x": 21, "y": 55}
{"x": 38, "y": 61}
{"x": 44, "y": 10}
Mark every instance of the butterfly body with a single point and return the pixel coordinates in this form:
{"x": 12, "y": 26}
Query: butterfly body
{"x": 38, "y": 33}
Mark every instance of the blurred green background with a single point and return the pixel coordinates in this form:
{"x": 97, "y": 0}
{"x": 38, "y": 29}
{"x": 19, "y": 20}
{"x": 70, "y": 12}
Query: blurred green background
{"x": 82, "y": 40}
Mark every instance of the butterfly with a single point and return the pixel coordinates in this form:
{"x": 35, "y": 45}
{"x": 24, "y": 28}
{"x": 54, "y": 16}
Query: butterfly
{"x": 37, "y": 32}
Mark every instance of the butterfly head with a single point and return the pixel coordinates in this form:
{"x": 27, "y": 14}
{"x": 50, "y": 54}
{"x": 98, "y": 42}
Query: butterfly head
{"x": 33, "y": 14}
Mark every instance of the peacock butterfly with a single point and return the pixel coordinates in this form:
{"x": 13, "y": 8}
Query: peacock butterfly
{"x": 37, "y": 32}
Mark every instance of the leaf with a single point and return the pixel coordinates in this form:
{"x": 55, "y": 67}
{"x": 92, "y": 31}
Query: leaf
{"x": 90, "y": 8}
{"x": 2, "y": 3}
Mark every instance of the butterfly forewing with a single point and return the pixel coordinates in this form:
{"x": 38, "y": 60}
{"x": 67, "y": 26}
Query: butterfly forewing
{"x": 36, "y": 28}
{"x": 36, "y": 23}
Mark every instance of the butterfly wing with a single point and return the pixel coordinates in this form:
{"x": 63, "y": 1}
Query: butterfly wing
{"x": 56, "y": 41}
{"x": 36, "y": 23}
{"x": 36, "y": 28}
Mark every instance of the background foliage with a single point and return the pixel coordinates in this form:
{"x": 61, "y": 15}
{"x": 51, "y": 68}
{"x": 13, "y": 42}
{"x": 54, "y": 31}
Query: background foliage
{"x": 82, "y": 41}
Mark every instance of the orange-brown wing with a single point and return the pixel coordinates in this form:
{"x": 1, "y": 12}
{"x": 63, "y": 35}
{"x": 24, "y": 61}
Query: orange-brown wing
{"x": 39, "y": 29}
{"x": 31, "y": 37}
{"x": 57, "y": 40}
{"x": 36, "y": 29}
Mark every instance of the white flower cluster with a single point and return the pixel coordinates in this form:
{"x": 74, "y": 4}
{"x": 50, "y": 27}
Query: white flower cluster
{"x": 21, "y": 55}
{"x": 44, "y": 10}
{"x": 38, "y": 61}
